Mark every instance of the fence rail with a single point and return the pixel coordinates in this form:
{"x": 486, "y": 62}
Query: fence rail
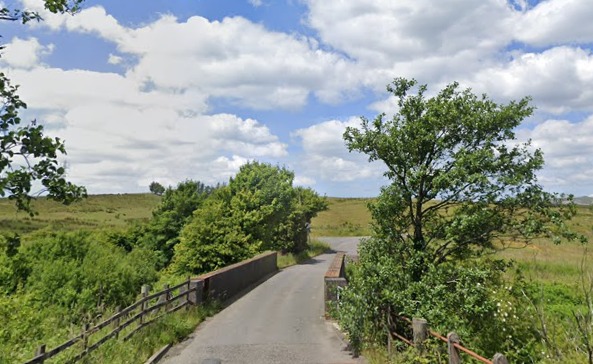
{"x": 421, "y": 332}
{"x": 143, "y": 312}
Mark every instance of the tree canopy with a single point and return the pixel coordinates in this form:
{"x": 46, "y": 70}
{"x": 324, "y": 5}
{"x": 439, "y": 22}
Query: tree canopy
{"x": 27, "y": 156}
{"x": 460, "y": 184}
{"x": 258, "y": 210}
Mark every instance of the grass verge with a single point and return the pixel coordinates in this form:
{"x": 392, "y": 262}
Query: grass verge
{"x": 315, "y": 248}
{"x": 170, "y": 329}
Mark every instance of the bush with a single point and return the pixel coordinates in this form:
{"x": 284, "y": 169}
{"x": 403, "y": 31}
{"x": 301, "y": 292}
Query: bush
{"x": 258, "y": 210}
{"x": 83, "y": 273}
{"x": 471, "y": 298}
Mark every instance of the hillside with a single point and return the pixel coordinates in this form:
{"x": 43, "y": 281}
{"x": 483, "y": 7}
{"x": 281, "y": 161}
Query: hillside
{"x": 95, "y": 212}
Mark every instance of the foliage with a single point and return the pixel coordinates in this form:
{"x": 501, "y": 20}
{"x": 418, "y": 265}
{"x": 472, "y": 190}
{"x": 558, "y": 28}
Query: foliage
{"x": 26, "y": 154}
{"x": 78, "y": 271}
{"x": 156, "y": 188}
{"x": 294, "y": 232}
{"x": 258, "y": 210}
{"x": 212, "y": 239}
{"x": 54, "y": 6}
{"x": 459, "y": 188}
{"x": 161, "y": 234}
{"x": 458, "y": 184}
{"x": 473, "y": 298}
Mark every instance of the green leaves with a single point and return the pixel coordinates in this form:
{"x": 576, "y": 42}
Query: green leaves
{"x": 461, "y": 186}
{"x": 27, "y": 157}
{"x": 459, "y": 179}
{"x": 259, "y": 210}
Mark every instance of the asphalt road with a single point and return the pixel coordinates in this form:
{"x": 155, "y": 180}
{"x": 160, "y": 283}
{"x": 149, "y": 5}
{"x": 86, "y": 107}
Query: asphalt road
{"x": 279, "y": 321}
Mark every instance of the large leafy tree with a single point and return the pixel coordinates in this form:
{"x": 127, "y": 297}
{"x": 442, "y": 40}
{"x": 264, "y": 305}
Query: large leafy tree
{"x": 27, "y": 155}
{"x": 460, "y": 184}
{"x": 258, "y": 210}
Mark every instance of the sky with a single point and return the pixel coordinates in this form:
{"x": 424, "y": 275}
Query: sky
{"x": 169, "y": 90}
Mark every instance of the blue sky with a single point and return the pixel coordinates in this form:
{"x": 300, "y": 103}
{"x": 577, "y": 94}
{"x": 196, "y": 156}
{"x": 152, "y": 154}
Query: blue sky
{"x": 173, "y": 89}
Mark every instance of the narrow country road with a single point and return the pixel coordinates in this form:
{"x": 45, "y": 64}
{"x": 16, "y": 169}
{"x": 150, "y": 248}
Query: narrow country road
{"x": 280, "y": 321}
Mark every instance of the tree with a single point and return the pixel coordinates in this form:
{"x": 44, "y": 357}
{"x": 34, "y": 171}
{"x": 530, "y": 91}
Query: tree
{"x": 26, "y": 154}
{"x": 55, "y": 6}
{"x": 156, "y": 188}
{"x": 168, "y": 219}
{"x": 459, "y": 186}
{"x": 258, "y": 210}
{"x": 305, "y": 206}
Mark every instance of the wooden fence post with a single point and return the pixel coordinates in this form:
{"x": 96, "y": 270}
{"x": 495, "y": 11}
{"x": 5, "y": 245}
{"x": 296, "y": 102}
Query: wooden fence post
{"x": 194, "y": 294}
{"x": 452, "y": 339}
{"x": 499, "y": 359}
{"x": 420, "y": 330}
{"x": 116, "y": 322}
{"x": 85, "y": 337}
{"x": 144, "y": 306}
{"x": 40, "y": 351}
{"x": 187, "y": 293}
{"x": 164, "y": 297}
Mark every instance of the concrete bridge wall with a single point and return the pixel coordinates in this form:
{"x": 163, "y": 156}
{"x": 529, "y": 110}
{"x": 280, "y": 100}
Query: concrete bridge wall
{"x": 227, "y": 282}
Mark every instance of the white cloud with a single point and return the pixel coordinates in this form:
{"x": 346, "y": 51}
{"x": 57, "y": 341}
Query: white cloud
{"x": 113, "y": 59}
{"x": 119, "y": 136}
{"x": 559, "y": 79}
{"x": 325, "y": 154}
{"x": 568, "y": 153}
{"x": 555, "y": 22}
{"x": 24, "y": 53}
{"x": 256, "y": 3}
{"x": 233, "y": 58}
{"x": 303, "y": 181}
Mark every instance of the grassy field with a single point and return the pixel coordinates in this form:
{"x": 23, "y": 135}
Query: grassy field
{"x": 95, "y": 212}
{"x": 345, "y": 217}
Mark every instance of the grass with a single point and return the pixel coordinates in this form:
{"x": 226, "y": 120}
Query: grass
{"x": 170, "y": 329}
{"x": 314, "y": 249}
{"x": 94, "y": 212}
{"x": 345, "y": 217}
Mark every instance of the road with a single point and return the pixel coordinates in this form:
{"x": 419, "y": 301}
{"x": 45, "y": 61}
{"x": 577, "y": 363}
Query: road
{"x": 279, "y": 321}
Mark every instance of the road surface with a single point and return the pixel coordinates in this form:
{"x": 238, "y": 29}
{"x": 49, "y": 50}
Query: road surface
{"x": 279, "y": 321}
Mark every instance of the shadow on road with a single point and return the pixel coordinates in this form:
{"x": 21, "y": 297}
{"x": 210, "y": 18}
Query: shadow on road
{"x": 311, "y": 261}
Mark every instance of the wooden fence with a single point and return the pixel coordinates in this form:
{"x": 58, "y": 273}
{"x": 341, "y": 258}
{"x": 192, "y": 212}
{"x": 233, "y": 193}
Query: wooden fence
{"x": 421, "y": 332}
{"x": 142, "y": 312}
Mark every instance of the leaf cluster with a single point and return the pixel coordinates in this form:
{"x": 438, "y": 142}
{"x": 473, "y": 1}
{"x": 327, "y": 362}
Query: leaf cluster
{"x": 258, "y": 210}
{"x": 460, "y": 183}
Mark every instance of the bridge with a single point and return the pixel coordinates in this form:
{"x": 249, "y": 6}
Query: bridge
{"x": 279, "y": 321}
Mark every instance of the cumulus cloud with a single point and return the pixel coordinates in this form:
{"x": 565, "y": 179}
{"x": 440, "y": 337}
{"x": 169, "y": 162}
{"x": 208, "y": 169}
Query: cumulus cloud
{"x": 234, "y": 58}
{"x": 568, "y": 153}
{"x": 24, "y": 53}
{"x": 559, "y": 79}
{"x": 325, "y": 153}
{"x": 554, "y": 22}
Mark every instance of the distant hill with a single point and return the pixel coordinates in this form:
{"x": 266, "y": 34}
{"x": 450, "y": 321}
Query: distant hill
{"x": 583, "y": 200}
